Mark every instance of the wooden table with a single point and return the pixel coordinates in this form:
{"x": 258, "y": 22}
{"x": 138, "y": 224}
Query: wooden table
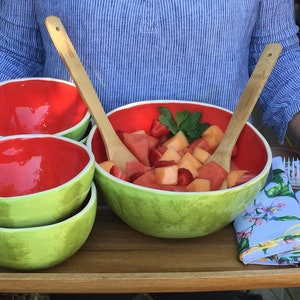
{"x": 118, "y": 259}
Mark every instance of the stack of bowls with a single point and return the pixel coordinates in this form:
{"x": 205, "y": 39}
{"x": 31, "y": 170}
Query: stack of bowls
{"x": 48, "y": 200}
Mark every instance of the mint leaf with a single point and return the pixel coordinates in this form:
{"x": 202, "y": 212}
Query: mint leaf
{"x": 181, "y": 118}
{"x": 166, "y": 119}
{"x": 188, "y": 122}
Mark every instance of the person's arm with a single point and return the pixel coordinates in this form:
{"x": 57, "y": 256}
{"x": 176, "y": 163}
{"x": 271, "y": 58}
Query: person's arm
{"x": 294, "y": 126}
{"x": 21, "y": 50}
{"x": 280, "y": 99}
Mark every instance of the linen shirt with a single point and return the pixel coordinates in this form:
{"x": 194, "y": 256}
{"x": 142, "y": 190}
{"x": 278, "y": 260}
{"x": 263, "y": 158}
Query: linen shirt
{"x": 199, "y": 50}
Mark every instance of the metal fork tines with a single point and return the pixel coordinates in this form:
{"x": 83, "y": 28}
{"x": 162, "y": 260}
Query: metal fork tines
{"x": 292, "y": 167}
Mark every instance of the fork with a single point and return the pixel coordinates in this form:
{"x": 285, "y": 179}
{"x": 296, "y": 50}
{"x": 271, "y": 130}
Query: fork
{"x": 292, "y": 168}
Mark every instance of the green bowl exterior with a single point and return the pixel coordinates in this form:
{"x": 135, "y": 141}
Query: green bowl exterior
{"x": 168, "y": 214}
{"x": 175, "y": 215}
{"x": 77, "y": 131}
{"x": 46, "y": 246}
{"x": 49, "y": 206}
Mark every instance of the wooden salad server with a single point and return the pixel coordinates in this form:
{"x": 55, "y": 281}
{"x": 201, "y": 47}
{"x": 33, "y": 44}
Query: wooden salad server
{"x": 245, "y": 106}
{"x": 115, "y": 149}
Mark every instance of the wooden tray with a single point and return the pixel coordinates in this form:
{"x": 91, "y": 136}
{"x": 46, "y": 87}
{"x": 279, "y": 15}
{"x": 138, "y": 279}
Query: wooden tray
{"x": 118, "y": 259}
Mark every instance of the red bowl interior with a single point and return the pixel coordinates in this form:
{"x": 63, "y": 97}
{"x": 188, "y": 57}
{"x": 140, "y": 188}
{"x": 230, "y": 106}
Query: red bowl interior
{"x": 252, "y": 153}
{"x": 39, "y": 106}
{"x": 31, "y": 165}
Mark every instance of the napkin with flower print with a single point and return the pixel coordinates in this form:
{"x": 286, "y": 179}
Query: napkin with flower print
{"x": 268, "y": 231}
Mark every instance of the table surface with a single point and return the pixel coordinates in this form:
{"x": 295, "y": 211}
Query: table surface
{"x": 118, "y": 259}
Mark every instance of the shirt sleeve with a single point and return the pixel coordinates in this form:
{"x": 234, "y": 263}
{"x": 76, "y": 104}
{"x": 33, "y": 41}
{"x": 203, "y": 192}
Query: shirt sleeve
{"x": 21, "y": 50}
{"x": 280, "y": 99}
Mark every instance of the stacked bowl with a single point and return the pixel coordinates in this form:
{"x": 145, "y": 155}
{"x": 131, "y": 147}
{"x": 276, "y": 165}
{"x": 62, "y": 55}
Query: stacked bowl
{"x": 48, "y": 200}
{"x": 42, "y": 105}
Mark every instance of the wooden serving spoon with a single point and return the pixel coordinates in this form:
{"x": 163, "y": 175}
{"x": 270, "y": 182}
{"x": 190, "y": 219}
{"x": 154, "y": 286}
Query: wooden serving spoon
{"x": 115, "y": 149}
{"x": 245, "y": 106}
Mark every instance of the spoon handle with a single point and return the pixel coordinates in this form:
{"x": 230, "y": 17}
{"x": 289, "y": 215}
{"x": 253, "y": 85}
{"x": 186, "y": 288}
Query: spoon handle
{"x": 246, "y": 104}
{"x": 115, "y": 149}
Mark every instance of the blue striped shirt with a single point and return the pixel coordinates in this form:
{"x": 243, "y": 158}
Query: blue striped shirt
{"x": 199, "y": 50}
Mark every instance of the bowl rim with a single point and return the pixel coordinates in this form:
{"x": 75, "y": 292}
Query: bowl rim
{"x": 89, "y": 202}
{"x": 90, "y": 164}
{"x": 85, "y": 117}
{"x": 37, "y": 79}
{"x": 264, "y": 171}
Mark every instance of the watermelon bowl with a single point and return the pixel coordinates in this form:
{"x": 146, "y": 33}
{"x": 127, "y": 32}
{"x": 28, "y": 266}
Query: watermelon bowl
{"x": 169, "y": 214}
{"x": 43, "y": 178}
{"x": 40, "y": 247}
{"x": 42, "y": 105}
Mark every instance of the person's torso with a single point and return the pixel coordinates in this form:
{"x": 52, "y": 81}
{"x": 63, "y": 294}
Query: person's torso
{"x": 137, "y": 50}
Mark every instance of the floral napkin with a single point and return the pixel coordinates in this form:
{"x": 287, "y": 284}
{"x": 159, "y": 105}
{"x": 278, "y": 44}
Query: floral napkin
{"x": 268, "y": 231}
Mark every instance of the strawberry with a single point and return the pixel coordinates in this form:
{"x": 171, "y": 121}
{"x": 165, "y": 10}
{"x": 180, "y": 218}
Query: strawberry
{"x": 201, "y": 143}
{"x": 185, "y": 177}
{"x": 158, "y": 129}
{"x": 164, "y": 163}
{"x": 154, "y": 156}
{"x": 120, "y": 134}
{"x": 246, "y": 177}
{"x": 117, "y": 172}
{"x": 235, "y": 151}
{"x": 135, "y": 176}
{"x": 163, "y": 139}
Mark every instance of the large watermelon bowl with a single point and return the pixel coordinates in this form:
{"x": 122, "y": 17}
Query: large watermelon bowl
{"x": 174, "y": 213}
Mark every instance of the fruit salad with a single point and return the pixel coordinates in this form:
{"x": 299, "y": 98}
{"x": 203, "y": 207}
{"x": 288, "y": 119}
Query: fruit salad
{"x": 173, "y": 155}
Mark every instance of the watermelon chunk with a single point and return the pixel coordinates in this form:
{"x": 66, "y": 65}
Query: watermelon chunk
{"x": 138, "y": 144}
{"x": 213, "y": 172}
{"x": 147, "y": 179}
{"x": 133, "y": 167}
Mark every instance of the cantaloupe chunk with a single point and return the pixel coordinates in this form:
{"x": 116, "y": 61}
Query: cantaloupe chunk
{"x": 188, "y": 156}
{"x": 201, "y": 154}
{"x": 177, "y": 141}
{"x": 167, "y": 175}
{"x": 171, "y": 154}
{"x": 213, "y": 135}
{"x": 233, "y": 177}
{"x": 107, "y": 165}
{"x": 199, "y": 185}
{"x": 186, "y": 164}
